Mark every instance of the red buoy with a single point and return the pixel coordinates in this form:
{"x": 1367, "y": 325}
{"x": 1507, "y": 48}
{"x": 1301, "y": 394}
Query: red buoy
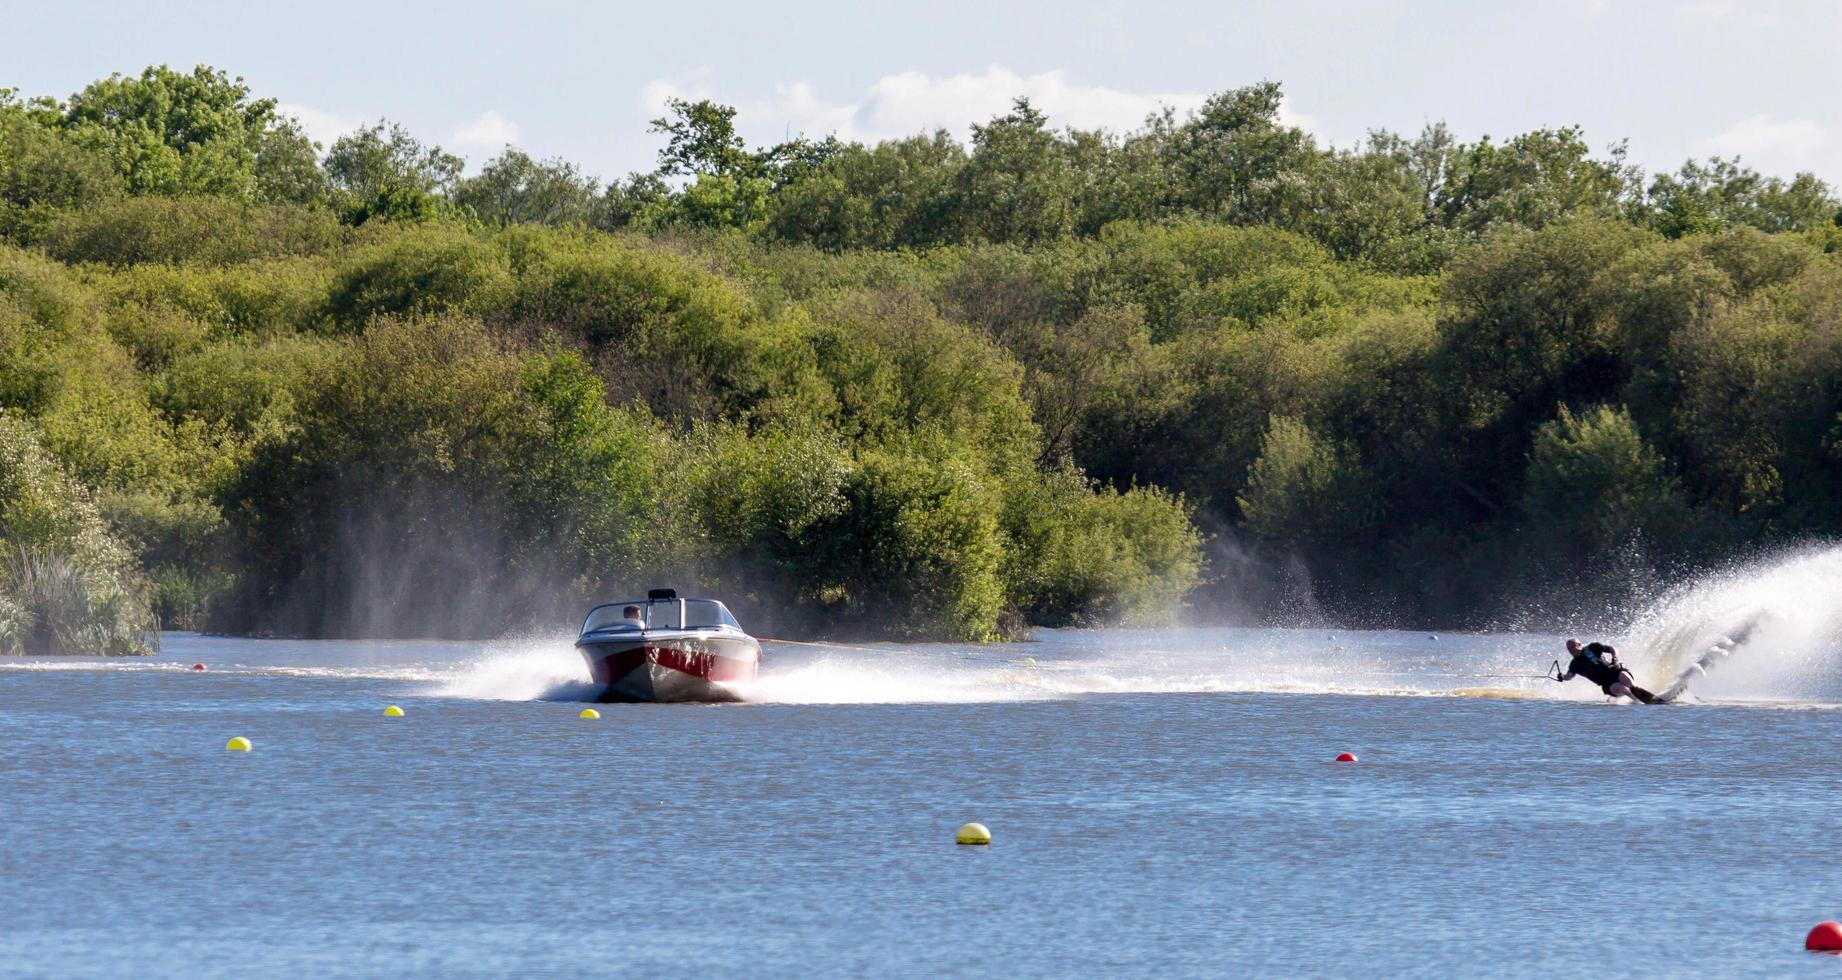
{"x": 1825, "y": 937}
{"x": 198, "y": 666}
{"x": 1347, "y": 757}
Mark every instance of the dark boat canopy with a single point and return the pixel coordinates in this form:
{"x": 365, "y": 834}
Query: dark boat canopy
{"x": 657, "y": 594}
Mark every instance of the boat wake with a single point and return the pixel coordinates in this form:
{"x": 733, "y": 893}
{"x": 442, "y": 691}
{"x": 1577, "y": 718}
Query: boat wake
{"x": 537, "y": 670}
{"x": 1071, "y": 664}
{"x": 1078, "y": 664}
{"x": 1764, "y": 632}
{"x": 1768, "y": 632}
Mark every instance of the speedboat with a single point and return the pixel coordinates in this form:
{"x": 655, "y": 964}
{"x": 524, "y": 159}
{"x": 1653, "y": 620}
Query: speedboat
{"x": 667, "y": 648}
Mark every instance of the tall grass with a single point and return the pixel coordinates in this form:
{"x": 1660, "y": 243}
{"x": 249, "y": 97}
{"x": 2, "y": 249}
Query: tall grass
{"x": 15, "y": 623}
{"x": 50, "y": 604}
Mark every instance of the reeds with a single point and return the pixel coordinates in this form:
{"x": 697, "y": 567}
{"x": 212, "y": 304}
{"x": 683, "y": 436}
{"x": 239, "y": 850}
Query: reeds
{"x": 15, "y": 622}
{"x": 51, "y": 605}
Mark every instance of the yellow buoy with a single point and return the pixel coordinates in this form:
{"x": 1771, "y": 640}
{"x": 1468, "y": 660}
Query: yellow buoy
{"x": 393, "y": 711}
{"x": 972, "y": 833}
{"x": 238, "y": 744}
{"x": 589, "y": 713}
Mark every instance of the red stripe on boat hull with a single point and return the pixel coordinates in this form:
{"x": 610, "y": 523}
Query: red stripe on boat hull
{"x": 651, "y": 673}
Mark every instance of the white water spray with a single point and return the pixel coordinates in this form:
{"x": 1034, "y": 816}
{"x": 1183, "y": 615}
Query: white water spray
{"x": 1782, "y": 615}
{"x": 534, "y": 670}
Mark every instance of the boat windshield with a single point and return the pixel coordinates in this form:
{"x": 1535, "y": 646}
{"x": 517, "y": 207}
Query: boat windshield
{"x": 659, "y": 614}
{"x": 707, "y": 614}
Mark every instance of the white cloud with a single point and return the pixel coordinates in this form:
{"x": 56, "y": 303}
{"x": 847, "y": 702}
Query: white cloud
{"x": 489, "y": 130}
{"x": 1710, "y": 9}
{"x": 321, "y": 126}
{"x": 1298, "y": 120}
{"x": 913, "y": 102}
{"x": 1772, "y": 145}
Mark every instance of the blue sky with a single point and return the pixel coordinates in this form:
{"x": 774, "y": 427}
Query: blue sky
{"x": 1678, "y": 78}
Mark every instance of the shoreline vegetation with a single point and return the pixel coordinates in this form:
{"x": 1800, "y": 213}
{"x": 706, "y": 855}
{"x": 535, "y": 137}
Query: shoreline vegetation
{"x": 923, "y": 389}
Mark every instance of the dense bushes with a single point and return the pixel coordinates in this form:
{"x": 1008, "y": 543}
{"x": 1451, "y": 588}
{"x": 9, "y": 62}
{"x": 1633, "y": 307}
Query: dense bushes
{"x": 43, "y": 177}
{"x": 1081, "y": 556}
{"x": 200, "y": 230}
{"x": 429, "y": 480}
{"x": 418, "y": 433}
{"x": 1592, "y": 485}
{"x": 914, "y": 549}
{"x": 915, "y": 389}
{"x": 448, "y": 430}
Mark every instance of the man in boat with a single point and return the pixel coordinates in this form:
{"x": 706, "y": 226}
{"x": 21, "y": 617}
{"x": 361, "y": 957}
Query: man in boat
{"x": 1598, "y": 662}
{"x": 630, "y": 617}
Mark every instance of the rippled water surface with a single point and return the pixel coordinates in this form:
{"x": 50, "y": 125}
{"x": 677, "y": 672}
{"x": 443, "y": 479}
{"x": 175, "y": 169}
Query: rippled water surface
{"x": 1163, "y": 803}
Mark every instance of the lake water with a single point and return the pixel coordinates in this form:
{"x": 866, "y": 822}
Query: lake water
{"x": 1163, "y": 803}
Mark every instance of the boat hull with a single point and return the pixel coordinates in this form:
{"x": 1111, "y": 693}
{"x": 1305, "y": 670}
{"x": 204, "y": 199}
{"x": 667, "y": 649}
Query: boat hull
{"x": 681, "y": 667}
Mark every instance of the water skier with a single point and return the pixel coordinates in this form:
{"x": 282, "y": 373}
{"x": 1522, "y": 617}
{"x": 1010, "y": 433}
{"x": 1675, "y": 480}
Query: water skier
{"x": 1598, "y": 662}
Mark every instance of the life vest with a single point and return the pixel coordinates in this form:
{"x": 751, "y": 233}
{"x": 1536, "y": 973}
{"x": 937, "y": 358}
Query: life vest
{"x": 1597, "y": 663}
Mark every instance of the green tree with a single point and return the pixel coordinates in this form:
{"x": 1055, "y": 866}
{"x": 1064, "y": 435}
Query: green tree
{"x": 1017, "y": 185}
{"x": 1525, "y": 327}
{"x": 431, "y": 483}
{"x": 914, "y": 551}
{"x": 1093, "y": 556}
{"x": 1366, "y": 205}
{"x": 1592, "y": 484}
{"x": 1121, "y": 178}
{"x": 429, "y": 269}
{"x": 729, "y": 186}
{"x": 1303, "y": 489}
{"x": 701, "y": 139}
{"x": 640, "y": 199}
{"x": 765, "y": 500}
{"x": 590, "y": 490}
{"x": 515, "y": 189}
{"x": 42, "y": 174}
{"x": 197, "y": 230}
{"x": 895, "y": 194}
{"x": 1705, "y": 197}
{"x": 168, "y": 132}
{"x": 1531, "y": 181}
{"x": 383, "y": 171}
{"x": 288, "y": 166}
{"x": 1236, "y": 161}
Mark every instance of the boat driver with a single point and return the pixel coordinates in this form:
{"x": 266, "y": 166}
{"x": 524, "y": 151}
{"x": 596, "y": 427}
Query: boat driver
{"x": 630, "y": 618}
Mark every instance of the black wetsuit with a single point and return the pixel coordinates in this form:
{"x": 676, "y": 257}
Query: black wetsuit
{"x": 1587, "y": 664}
{"x": 1598, "y": 662}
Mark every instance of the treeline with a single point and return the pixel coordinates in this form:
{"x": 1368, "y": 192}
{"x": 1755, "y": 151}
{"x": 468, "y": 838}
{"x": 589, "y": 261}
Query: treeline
{"x": 918, "y": 388}
{"x": 1402, "y": 204}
